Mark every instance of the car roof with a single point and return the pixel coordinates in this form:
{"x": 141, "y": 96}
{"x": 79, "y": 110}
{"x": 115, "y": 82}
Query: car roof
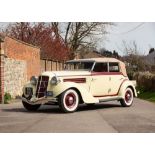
{"x": 105, "y": 59}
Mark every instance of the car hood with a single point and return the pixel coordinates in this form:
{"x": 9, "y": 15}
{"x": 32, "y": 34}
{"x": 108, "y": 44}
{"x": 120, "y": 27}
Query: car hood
{"x": 66, "y": 73}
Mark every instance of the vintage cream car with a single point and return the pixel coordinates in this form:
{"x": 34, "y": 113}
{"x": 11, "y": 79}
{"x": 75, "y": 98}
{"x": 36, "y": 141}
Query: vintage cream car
{"x": 83, "y": 81}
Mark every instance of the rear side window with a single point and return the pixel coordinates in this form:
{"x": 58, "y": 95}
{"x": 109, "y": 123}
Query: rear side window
{"x": 101, "y": 67}
{"x": 113, "y": 67}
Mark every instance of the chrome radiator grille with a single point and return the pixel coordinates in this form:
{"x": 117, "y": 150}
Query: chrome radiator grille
{"x": 42, "y": 86}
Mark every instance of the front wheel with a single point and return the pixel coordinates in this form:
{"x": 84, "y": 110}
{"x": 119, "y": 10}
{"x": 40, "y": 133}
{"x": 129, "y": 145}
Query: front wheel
{"x": 128, "y": 98}
{"x": 30, "y": 107}
{"x": 69, "y": 101}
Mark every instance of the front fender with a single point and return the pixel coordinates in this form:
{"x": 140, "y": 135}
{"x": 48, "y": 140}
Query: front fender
{"x": 125, "y": 84}
{"x": 86, "y": 96}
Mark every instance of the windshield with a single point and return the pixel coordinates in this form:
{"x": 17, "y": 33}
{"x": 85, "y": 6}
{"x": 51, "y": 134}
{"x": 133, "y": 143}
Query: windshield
{"x": 79, "y": 66}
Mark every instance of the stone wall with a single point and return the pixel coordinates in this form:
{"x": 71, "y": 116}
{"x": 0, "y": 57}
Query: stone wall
{"x": 15, "y": 75}
{"x": 1, "y": 71}
{"x": 1, "y": 78}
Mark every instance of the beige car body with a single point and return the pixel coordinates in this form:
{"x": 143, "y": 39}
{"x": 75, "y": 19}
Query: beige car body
{"x": 93, "y": 87}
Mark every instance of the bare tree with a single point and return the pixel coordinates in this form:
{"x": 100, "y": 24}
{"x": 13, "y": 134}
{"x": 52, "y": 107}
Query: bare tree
{"x": 74, "y": 35}
{"x": 67, "y": 32}
{"x": 130, "y": 48}
{"x": 79, "y": 35}
{"x": 134, "y": 58}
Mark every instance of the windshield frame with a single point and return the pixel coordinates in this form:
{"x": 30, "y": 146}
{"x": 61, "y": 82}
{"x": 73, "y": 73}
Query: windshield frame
{"x": 81, "y": 61}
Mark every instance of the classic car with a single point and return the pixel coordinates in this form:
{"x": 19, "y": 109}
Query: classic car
{"x": 83, "y": 81}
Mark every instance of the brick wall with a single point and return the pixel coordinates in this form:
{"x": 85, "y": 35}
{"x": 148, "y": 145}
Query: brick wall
{"x": 19, "y": 50}
{"x": 15, "y": 75}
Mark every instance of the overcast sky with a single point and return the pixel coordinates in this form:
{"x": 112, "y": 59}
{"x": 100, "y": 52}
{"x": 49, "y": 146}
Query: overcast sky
{"x": 142, "y": 33}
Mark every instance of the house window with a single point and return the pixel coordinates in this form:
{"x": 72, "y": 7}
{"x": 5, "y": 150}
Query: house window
{"x": 101, "y": 67}
{"x": 113, "y": 67}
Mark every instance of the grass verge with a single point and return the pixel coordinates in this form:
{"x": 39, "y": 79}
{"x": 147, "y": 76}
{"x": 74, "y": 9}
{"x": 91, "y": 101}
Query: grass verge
{"x": 149, "y": 96}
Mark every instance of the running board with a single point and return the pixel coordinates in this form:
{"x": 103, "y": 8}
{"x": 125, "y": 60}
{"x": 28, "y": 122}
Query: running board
{"x": 110, "y": 99}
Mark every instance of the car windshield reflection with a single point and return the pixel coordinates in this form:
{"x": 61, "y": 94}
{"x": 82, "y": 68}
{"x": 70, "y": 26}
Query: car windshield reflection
{"x": 79, "y": 66}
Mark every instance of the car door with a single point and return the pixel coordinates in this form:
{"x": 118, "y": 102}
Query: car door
{"x": 115, "y": 78}
{"x": 99, "y": 80}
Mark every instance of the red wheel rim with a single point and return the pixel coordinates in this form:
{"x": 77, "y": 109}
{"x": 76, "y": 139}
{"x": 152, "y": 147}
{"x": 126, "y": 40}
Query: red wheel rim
{"x": 128, "y": 96}
{"x": 70, "y": 100}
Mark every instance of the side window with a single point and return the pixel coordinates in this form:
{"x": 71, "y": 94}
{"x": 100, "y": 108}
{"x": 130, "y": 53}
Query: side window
{"x": 101, "y": 67}
{"x": 113, "y": 67}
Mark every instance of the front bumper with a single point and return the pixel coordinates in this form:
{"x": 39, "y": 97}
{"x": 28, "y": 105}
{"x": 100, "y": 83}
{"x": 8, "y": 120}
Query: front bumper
{"x": 42, "y": 100}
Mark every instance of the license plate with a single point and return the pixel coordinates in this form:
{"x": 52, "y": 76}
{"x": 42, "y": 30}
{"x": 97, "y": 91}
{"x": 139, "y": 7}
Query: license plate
{"x": 49, "y": 93}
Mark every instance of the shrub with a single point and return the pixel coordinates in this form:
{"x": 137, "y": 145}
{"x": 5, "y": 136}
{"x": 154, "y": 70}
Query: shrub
{"x": 7, "y": 97}
{"x": 130, "y": 75}
{"x": 145, "y": 81}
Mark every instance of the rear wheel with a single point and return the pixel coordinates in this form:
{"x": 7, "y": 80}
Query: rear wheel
{"x": 28, "y": 106}
{"x": 128, "y": 98}
{"x": 69, "y": 101}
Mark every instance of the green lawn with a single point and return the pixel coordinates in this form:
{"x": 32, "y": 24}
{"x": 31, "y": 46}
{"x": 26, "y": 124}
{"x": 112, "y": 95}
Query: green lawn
{"x": 150, "y": 96}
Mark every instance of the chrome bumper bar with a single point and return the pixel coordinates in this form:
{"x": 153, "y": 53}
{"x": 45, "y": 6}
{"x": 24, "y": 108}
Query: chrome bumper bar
{"x": 42, "y": 100}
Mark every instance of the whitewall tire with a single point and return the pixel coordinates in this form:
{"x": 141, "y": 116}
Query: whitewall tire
{"x": 128, "y": 98}
{"x": 69, "y": 100}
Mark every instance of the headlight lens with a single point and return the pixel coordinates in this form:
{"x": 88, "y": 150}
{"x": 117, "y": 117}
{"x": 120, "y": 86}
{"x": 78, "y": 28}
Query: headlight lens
{"x": 33, "y": 80}
{"x": 55, "y": 80}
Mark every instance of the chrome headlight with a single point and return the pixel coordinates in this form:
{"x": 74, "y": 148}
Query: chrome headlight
{"x": 33, "y": 80}
{"x": 55, "y": 80}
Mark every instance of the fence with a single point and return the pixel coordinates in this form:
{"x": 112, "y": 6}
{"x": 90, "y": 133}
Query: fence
{"x": 51, "y": 65}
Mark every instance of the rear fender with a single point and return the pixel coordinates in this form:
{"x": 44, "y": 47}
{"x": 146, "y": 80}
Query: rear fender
{"x": 125, "y": 85}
